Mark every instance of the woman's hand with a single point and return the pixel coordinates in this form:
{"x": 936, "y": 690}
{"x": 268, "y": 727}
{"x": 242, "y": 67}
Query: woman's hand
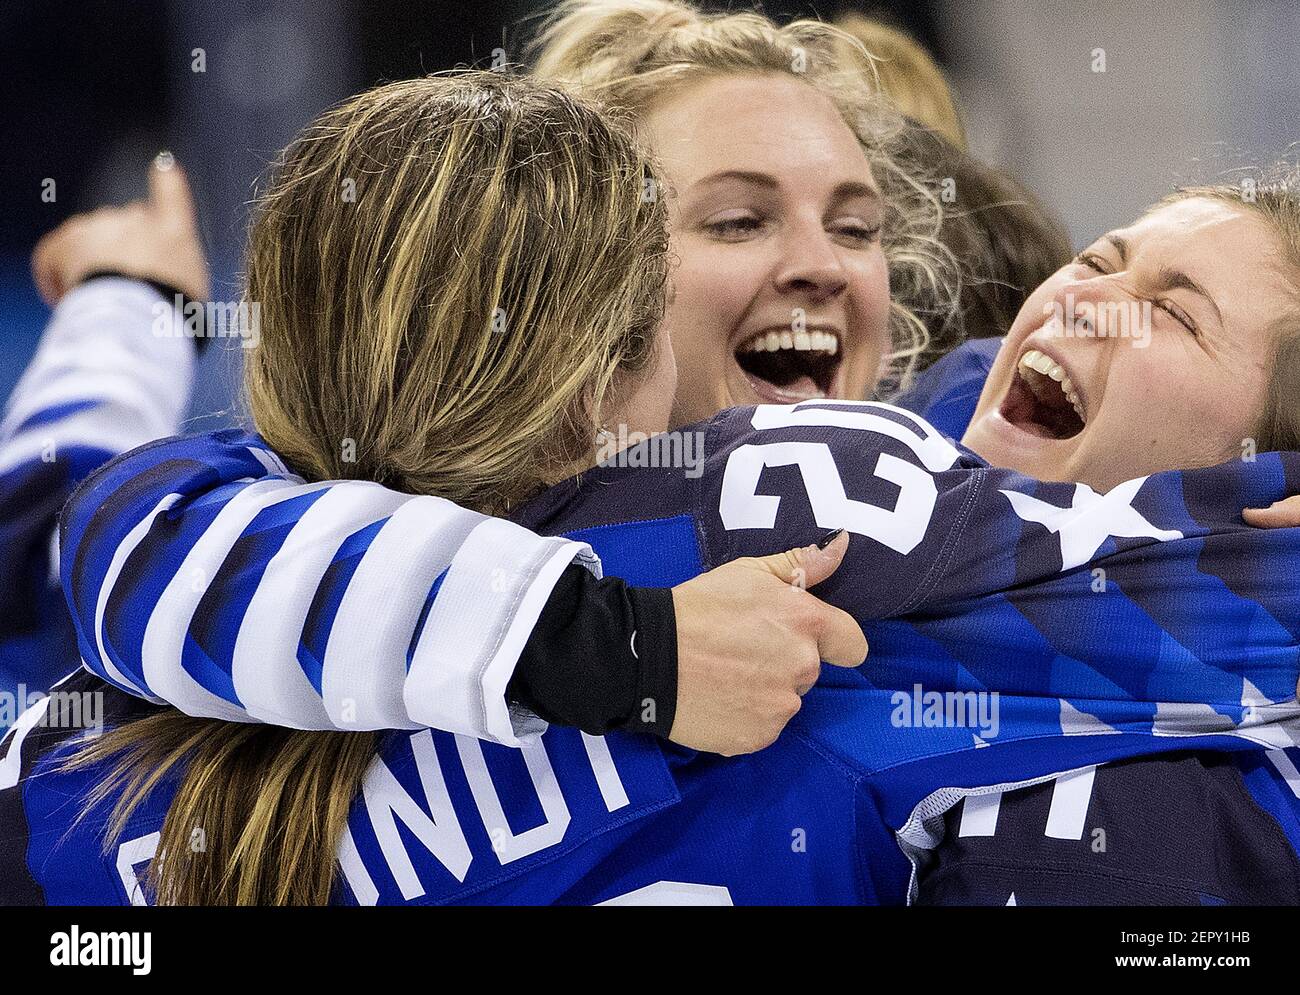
{"x": 1284, "y": 514}
{"x": 154, "y": 239}
{"x": 750, "y": 641}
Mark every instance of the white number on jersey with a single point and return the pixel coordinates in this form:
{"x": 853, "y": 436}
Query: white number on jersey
{"x": 901, "y": 528}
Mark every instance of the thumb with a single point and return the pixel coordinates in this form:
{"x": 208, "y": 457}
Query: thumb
{"x": 169, "y": 190}
{"x": 808, "y": 566}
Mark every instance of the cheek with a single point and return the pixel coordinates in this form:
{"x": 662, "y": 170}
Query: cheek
{"x": 869, "y": 293}
{"x": 666, "y": 376}
{"x": 708, "y": 298}
{"x": 1148, "y": 393}
{"x": 1171, "y": 403}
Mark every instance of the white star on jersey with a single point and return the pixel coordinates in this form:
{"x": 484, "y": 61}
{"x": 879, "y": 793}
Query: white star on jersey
{"x": 1090, "y": 520}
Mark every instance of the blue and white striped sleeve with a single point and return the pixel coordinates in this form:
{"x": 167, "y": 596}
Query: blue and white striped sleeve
{"x": 99, "y": 384}
{"x": 201, "y": 572}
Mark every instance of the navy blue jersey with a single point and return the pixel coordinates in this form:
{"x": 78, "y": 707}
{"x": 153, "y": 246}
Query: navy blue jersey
{"x": 1194, "y": 829}
{"x": 946, "y": 393}
{"x": 1019, "y": 630}
{"x": 1186, "y": 829}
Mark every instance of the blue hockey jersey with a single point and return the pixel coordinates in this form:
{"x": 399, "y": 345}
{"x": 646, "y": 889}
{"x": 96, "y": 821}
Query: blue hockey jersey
{"x": 947, "y": 393}
{"x": 1018, "y": 629}
{"x": 99, "y": 384}
{"x": 1178, "y": 829}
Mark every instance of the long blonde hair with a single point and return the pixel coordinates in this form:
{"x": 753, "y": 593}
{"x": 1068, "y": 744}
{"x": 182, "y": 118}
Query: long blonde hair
{"x": 631, "y": 53}
{"x": 453, "y": 272}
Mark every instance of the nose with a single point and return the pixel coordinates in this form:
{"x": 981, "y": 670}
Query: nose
{"x": 810, "y": 266}
{"x": 1093, "y": 308}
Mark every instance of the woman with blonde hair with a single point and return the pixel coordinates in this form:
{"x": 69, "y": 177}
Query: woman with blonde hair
{"x": 790, "y": 215}
{"x": 793, "y": 204}
{"x": 398, "y": 322}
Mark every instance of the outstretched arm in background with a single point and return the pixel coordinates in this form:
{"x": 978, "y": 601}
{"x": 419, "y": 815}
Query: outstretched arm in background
{"x": 99, "y": 384}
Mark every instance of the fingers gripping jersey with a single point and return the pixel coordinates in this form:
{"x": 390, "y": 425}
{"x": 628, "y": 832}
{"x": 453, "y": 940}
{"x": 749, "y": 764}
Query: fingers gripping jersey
{"x": 971, "y": 580}
{"x": 1151, "y": 610}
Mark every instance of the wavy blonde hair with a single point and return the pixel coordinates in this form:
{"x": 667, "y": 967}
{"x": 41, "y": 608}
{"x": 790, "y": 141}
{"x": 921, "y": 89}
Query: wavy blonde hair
{"x": 631, "y": 53}
{"x": 909, "y": 76}
{"x": 465, "y": 314}
{"x": 453, "y": 273}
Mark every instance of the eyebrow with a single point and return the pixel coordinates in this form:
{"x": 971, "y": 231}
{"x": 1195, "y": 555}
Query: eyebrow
{"x": 1174, "y": 279}
{"x": 1167, "y": 278}
{"x": 1121, "y": 247}
{"x": 848, "y": 188}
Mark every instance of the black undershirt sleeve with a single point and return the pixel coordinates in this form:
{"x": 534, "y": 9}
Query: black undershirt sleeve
{"x": 603, "y": 656}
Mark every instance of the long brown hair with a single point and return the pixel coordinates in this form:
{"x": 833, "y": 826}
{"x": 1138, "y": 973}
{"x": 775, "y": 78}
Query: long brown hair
{"x": 453, "y": 273}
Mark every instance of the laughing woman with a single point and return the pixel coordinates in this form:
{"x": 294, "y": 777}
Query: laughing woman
{"x": 792, "y": 206}
{"x": 948, "y": 549}
{"x": 790, "y": 214}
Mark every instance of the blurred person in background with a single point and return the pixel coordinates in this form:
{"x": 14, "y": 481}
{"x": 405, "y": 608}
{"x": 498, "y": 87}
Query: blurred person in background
{"x": 907, "y": 75}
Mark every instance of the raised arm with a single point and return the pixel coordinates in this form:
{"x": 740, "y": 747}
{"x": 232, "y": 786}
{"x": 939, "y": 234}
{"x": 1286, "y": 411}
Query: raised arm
{"x": 96, "y": 387}
{"x": 100, "y": 383}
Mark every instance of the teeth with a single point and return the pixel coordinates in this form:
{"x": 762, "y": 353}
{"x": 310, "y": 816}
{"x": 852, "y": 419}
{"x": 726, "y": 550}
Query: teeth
{"x": 821, "y": 342}
{"x": 1045, "y": 365}
{"x": 801, "y": 341}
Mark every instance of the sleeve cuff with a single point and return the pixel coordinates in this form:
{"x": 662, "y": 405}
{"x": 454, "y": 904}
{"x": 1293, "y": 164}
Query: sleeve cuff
{"x": 492, "y": 595}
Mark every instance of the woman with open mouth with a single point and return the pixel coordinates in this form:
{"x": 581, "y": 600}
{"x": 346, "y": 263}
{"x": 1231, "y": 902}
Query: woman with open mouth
{"x": 791, "y": 204}
{"x": 1144, "y": 352}
{"x": 915, "y": 482}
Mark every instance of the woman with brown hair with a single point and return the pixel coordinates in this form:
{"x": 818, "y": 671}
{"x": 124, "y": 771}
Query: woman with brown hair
{"x": 791, "y": 211}
{"x": 268, "y": 809}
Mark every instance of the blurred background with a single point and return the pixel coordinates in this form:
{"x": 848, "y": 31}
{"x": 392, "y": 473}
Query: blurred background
{"x": 1099, "y": 108}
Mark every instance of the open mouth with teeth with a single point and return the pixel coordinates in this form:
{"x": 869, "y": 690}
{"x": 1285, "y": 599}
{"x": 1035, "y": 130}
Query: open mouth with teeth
{"x": 1042, "y": 399}
{"x": 788, "y": 367}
